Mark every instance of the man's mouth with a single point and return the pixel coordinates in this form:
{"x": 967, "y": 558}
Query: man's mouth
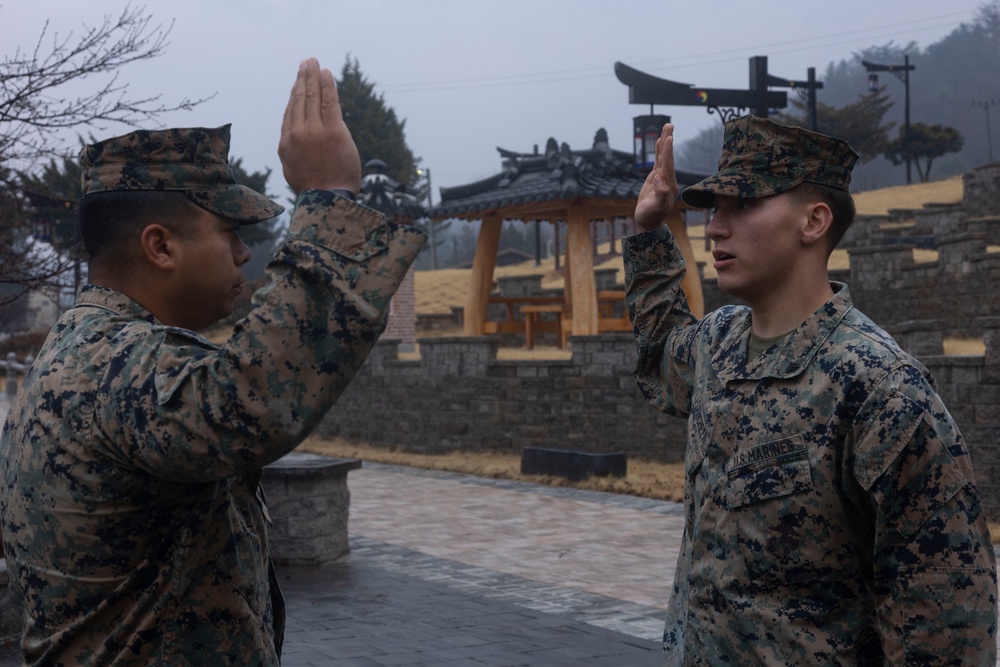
{"x": 722, "y": 258}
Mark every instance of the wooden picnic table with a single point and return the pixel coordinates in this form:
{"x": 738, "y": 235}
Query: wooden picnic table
{"x": 534, "y": 324}
{"x": 534, "y": 308}
{"x": 582, "y": 309}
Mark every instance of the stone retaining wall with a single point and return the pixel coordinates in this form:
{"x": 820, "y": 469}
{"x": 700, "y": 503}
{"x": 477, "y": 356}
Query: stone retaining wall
{"x": 970, "y": 388}
{"x": 955, "y": 288}
{"x": 458, "y": 396}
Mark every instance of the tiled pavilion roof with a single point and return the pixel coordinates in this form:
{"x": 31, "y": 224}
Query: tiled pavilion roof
{"x": 529, "y": 180}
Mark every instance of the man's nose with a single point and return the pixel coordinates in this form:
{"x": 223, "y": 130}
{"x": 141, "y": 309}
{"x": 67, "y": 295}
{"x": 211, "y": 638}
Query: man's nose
{"x": 716, "y": 227}
{"x": 243, "y": 253}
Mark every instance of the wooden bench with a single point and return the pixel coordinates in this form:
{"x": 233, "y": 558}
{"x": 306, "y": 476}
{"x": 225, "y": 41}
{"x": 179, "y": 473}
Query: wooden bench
{"x": 533, "y": 323}
{"x": 512, "y": 304}
{"x": 533, "y": 308}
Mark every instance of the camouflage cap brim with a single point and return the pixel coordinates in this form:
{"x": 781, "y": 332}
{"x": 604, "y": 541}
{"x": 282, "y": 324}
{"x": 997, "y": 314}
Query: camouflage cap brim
{"x": 738, "y": 184}
{"x": 237, "y": 202}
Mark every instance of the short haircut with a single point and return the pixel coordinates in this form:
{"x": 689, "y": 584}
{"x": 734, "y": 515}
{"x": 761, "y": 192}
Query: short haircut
{"x": 111, "y": 222}
{"x": 841, "y": 204}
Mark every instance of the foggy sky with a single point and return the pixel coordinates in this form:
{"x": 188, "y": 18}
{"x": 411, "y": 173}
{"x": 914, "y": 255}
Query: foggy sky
{"x": 468, "y": 76}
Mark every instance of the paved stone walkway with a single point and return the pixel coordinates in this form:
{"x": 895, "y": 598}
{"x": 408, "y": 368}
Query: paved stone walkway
{"x": 449, "y": 570}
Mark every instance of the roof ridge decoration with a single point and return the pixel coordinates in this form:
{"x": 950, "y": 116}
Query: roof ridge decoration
{"x": 558, "y": 173}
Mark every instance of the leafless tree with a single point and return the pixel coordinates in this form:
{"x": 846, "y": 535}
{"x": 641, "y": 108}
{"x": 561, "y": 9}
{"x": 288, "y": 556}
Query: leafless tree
{"x": 34, "y": 110}
{"x": 31, "y": 100}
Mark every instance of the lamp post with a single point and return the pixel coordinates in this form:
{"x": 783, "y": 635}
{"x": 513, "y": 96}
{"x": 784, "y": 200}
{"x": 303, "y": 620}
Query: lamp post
{"x": 986, "y": 104}
{"x": 646, "y": 130}
{"x": 430, "y": 221}
{"x": 902, "y": 72}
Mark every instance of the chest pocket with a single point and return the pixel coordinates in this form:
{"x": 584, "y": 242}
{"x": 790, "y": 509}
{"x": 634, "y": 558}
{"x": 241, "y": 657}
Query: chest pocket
{"x": 780, "y": 521}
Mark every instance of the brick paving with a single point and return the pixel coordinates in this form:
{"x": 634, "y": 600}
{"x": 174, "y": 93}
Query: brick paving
{"x": 449, "y": 570}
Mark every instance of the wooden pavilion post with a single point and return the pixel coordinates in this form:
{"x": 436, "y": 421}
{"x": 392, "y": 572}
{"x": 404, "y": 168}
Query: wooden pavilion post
{"x": 477, "y": 300}
{"x": 692, "y": 280}
{"x": 580, "y": 270}
{"x": 555, "y": 243}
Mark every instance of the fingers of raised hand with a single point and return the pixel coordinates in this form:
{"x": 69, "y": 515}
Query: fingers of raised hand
{"x": 330, "y": 99}
{"x": 293, "y": 110}
{"x": 664, "y": 166}
{"x": 313, "y": 93}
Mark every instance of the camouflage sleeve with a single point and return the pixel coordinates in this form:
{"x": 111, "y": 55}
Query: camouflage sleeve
{"x": 661, "y": 319}
{"x": 198, "y": 412}
{"x": 934, "y": 564}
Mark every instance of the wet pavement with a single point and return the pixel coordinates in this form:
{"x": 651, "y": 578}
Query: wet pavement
{"x": 454, "y": 570}
{"x": 448, "y": 570}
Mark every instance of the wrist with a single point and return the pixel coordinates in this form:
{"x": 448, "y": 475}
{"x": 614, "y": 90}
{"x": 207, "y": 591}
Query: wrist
{"x": 650, "y": 226}
{"x": 345, "y": 193}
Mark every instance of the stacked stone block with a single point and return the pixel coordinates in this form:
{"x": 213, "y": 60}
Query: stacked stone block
{"x": 402, "y": 321}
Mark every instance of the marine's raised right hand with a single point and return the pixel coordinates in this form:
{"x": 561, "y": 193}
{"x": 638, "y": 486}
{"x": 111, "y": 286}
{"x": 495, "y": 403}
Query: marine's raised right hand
{"x": 659, "y": 193}
{"x": 316, "y": 148}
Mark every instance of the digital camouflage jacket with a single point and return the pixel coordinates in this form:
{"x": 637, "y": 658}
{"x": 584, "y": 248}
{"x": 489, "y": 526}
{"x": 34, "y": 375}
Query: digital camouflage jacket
{"x": 831, "y": 513}
{"x": 131, "y": 456}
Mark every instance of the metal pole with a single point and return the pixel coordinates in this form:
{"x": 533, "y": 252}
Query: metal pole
{"x": 430, "y": 223}
{"x": 906, "y": 136}
{"x": 758, "y": 84}
{"x": 989, "y": 135}
{"x": 812, "y": 100}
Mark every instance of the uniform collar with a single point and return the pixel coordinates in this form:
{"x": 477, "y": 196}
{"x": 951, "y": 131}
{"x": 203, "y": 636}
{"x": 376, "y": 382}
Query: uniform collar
{"x": 789, "y": 356}
{"x": 96, "y": 296}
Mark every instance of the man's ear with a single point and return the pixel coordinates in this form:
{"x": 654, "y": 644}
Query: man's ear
{"x": 817, "y": 223}
{"x": 159, "y": 246}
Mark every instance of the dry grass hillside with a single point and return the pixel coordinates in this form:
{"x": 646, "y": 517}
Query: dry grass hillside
{"x": 879, "y": 202}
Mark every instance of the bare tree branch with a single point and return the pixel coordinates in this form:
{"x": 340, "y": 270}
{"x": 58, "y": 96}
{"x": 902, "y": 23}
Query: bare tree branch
{"x": 30, "y": 101}
{"x": 34, "y": 104}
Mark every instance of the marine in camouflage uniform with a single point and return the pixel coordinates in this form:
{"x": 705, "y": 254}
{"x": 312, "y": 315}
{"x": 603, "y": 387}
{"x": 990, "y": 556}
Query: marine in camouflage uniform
{"x": 831, "y": 512}
{"x": 133, "y": 523}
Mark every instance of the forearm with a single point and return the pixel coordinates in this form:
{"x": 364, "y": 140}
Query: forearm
{"x": 657, "y": 306}
{"x": 312, "y": 325}
{"x": 323, "y": 307}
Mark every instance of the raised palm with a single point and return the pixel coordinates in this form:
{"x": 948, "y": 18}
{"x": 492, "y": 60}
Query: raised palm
{"x": 659, "y": 193}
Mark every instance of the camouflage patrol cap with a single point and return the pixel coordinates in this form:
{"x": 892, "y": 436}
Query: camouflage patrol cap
{"x": 193, "y": 160}
{"x": 762, "y": 158}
